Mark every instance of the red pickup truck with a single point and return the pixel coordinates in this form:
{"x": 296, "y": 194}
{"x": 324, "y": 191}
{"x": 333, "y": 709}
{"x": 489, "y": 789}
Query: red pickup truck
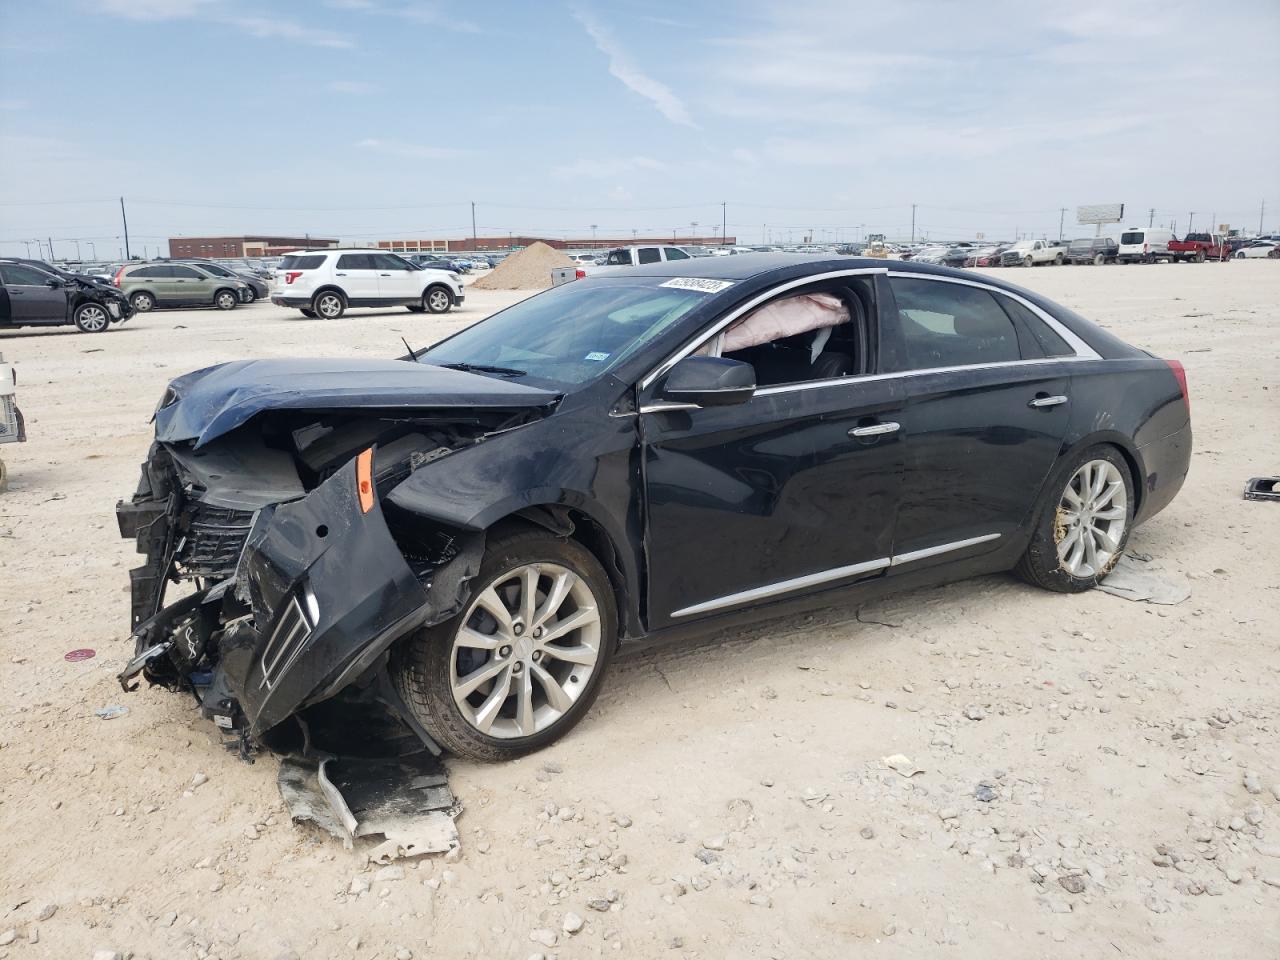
{"x": 1199, "y": 247}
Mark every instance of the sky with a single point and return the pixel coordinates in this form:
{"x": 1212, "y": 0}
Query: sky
{"x": 382, "y": 119}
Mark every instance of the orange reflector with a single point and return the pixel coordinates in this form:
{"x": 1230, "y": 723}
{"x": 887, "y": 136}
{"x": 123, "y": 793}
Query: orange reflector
{"x": 364, "y": 480}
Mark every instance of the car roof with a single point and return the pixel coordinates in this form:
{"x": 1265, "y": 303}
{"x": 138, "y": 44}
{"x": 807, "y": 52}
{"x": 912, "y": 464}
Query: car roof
{"x": 747, "y": 266}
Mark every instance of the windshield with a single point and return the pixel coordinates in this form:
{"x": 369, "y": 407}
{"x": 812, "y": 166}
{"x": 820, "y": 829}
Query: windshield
{"x": 574, "y": 332}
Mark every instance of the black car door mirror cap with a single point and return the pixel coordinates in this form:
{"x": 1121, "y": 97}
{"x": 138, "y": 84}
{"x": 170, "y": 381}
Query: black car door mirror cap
{"x": 710, "y": 382}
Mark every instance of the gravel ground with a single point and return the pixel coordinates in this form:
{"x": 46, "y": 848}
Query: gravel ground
{"x": 1098, "y": 778}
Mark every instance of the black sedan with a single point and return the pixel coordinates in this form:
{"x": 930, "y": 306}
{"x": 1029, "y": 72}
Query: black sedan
{"x": 32, "y": 297}
{"x": 470, "y": 533}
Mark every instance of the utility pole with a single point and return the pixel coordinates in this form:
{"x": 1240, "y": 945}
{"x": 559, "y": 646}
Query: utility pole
{"x": 51, "y": 249}
{"x": 1151, "y": 219}
{"x": 27, "y": 244}
{"x": 93, "y": 251}
{"x": 913, "y": 223}
{"x": 473, "y": 224}
{"x": 125, "y": 220}
{"x": 724, "y": 220}
{"x": 1261, "y": 214}
{"x": 1062, "y": 216}
{"x": 1190, "y": 219}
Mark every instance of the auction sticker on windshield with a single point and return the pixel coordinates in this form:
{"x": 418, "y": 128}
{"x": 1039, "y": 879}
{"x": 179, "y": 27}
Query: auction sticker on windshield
{"x": 698, "y": 283}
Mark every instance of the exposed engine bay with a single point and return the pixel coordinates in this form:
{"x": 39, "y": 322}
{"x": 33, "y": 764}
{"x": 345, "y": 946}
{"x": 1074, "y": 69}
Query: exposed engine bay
{"x": 277, "y": 574}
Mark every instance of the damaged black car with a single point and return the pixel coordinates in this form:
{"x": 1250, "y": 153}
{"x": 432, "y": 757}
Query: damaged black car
{"x": 467, "y": 534}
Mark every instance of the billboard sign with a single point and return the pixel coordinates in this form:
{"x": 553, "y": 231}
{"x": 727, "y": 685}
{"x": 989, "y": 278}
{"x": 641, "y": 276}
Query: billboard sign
{"x": 1100, "y": 213}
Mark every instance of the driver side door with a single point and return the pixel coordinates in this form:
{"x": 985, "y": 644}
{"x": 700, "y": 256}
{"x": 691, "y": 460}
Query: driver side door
{"x": 31, "y": 299}
{"x": 793, "y": 491}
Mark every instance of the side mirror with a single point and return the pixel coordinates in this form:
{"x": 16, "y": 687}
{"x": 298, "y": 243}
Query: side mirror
{"x": 709, "y": 382}
{"x": 54, "y": 282}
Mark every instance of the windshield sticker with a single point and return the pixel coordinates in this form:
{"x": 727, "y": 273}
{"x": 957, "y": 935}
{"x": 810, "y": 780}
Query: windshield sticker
{"x": 596, "y": 356}
{"x": 698, "y": 284}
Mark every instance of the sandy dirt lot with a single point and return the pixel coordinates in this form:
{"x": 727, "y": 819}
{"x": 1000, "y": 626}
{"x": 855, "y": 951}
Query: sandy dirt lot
{"x": 725, "y": 799}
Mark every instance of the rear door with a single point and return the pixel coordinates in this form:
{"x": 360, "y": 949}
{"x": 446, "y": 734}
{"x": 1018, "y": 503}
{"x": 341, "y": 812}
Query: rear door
{"x": 987, "y": 403}
{"x": 31, "y": 299}
{"x": 357, "y": 275}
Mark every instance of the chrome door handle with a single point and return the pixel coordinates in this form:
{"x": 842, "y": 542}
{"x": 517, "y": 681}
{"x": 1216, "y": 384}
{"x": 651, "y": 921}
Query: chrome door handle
{"x": 874, "y": 430}
{"x": 339, "y": 274}
{"x": 1047, "y": 401}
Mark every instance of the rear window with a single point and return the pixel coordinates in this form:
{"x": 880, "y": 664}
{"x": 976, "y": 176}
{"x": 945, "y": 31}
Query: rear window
{"x": 1085, "y": 244}
{"x": 310, "y": 262}
{"x": 1133, "y": 236}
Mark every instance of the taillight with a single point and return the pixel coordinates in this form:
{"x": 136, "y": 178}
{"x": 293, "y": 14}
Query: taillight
{"x": 291, "y": 275}
{"x": 1180, "y": 374}
{"x": 116, "y": 278}
{"x": 579, "y": 274}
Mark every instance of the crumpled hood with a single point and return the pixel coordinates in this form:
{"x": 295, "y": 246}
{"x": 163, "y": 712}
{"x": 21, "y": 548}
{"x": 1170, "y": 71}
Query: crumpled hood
{"x": 208, "y": 403}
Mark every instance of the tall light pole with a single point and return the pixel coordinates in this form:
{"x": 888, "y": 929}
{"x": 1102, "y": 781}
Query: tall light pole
{"x": 913, "y": 223}
{"x": 1261, "y": 214}
{"x": 693, "y": 230}
{"x": 1190, "y": 219}
{"x": 593, "y": 234}
{"x": 724, "y": 220}
{"x": 1062, "y": 216}
{"x": 27, "y": 243}
{"x": 473, "y": 224}
{"x": 93, "y": 251}
{"x": 125, "y": 220}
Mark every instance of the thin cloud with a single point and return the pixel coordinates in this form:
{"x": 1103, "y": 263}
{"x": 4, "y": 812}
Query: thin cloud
{"x": 622, "y": 68}
{"x": 607, "y": 169}
{"x": 263, "y": 28}
{"x": 14, "y": 104}
{"x": 412, "y": 151}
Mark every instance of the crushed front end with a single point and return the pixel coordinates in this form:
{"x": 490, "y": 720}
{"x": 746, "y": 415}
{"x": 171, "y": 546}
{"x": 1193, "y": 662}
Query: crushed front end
{"x": 276, "y": 577}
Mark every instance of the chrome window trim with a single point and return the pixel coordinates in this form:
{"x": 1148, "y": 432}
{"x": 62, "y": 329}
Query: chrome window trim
{"x": 1082, "y": 349}
{"x": 769, "y": 294}
{"x": 826, "y": 576}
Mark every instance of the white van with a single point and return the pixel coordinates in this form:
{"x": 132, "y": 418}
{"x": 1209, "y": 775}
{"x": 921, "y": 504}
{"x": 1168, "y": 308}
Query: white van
{"x": 1144, "y": 244}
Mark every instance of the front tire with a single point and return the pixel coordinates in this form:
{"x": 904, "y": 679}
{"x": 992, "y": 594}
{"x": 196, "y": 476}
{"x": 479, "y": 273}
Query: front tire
{"x": 226, "y": 299}
{"x": 521, "y": 665}
{"x": 1082, "y": 523}
{"x": 142, "y": 302}
{"x": 91, "y": 318}
{"x": 437, "y": 300}
{"x": 1099, "y": 260}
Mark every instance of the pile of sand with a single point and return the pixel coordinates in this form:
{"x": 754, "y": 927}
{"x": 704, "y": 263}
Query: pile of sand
{"x": 527, "y": 269}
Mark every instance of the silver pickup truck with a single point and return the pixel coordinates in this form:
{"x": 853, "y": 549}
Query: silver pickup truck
{"x": 619, "y": 259}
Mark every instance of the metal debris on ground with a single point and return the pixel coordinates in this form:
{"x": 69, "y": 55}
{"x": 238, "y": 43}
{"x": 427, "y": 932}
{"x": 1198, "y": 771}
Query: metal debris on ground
{"x": 404, "y": 800}
{"x": 1262, "y": 488}
{"x": 1131, "y": 582}
{"x": 75, "y": 656}
{"x": 111, "y": 712}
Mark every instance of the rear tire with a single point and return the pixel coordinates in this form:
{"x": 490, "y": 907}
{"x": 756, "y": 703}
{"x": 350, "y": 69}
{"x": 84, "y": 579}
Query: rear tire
{"x": 142, "y": 302}
{"x": 1099, "y": 260}
{"x": 432, "y": 665}
{"x": 1059, "y": 526}
{"x": 329, "y": 305}
{"x": 1058, "y": 260}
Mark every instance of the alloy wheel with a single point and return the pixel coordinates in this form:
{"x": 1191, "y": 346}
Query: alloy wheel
{"x": 329, "y": 305}
{"x": 437, "y": 301}
{"x": 1092, "y": 515}
{"x": 93, "y": 319}
{"x": 525, "y": 650}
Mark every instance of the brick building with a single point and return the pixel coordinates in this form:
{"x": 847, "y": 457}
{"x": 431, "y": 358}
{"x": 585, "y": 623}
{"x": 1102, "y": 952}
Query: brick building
{"x": 509, "y": 242}
{"x": 251, "y": 246}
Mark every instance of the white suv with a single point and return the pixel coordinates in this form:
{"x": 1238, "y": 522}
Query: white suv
{"x": 323, "y": 283}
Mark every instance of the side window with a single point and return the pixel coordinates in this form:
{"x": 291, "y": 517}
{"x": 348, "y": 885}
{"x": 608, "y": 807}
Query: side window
{"x": 675, "y": 253}
{"x": 185, "y": 273}
{"x": 650, "y": 255}
{"x": 385, "y": 261}
{"x": 950, "y": 325}
{"x": 619, "y": 258}
{"x": 814, "y": 334}
{"x": 1052, "y": 344}
{"x": 21, "y": 275}
{"x": 355, "y": 261}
